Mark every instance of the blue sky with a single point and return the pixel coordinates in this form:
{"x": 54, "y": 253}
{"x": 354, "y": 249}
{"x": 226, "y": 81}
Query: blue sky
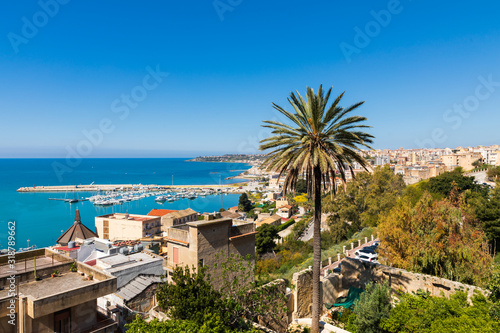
{"x": 228, "y": 60}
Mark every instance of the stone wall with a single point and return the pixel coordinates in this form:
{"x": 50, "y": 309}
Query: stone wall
{"x": 278, "y": 323}
{"x": 356, "y": 273}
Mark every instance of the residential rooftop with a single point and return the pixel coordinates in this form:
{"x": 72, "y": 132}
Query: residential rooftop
{"x": 123, "y": 216}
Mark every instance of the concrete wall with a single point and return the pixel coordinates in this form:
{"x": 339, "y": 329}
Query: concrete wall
{"x": 178, "y": 234}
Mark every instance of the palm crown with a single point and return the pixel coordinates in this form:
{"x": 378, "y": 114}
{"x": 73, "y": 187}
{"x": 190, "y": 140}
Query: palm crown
{"x": 320, "y": 137}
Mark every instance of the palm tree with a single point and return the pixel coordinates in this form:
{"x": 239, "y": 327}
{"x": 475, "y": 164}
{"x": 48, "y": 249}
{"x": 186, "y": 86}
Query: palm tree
{"x": 320, "y": 143}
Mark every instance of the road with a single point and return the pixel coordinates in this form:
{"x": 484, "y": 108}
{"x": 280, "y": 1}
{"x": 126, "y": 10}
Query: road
{"x": 350, "y": 254}
{"x": 309, "y": 231}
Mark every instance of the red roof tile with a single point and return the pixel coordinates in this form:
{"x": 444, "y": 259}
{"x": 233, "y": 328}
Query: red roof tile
{"x": 160, "y": 212}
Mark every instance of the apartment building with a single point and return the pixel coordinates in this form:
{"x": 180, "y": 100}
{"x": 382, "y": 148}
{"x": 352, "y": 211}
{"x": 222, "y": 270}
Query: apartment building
{"x": 171, "y": 218}
{"x": 64, "y": 303}
{"x": 206, "y": 243}
{"x": 119, "y": 226}
{"x": 462, "y": 159}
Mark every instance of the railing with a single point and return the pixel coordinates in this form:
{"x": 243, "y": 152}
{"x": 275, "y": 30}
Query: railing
{"x": 31, "y": 263}
{"x": 347, "y": 251}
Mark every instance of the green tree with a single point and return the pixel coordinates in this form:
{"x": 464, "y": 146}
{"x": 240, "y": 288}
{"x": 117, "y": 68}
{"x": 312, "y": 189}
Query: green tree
{"x": 244, "y": 204}
{"x": 372, "y": 308}
{"x": 321, "y": 141}
{"x": 190, "y": 296}
{"x": 443, "y": 183}
{"x": 487, "y": 210}
{"x": 301, "y": 186}
{"x": 191, "y": 301}
{"x": 493, "y": 173}
{"x": 424, "y": 313}
{"x": 477, "y": 163}
{"x": 366, "y": 197}
{"x": 209, "y": 324}
{"x": 264, "y": 240}
{"x": 339, "y": 230}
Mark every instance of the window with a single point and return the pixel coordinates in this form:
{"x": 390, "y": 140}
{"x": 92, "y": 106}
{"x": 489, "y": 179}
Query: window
{"x": 201, "y": 263}
{"x": 175, "y": 256}
{"x": 62, "y": 321}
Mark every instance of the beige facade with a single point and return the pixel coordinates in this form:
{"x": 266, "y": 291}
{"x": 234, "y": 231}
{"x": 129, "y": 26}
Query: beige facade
{"x": 178, "y": 218}
{"x": 207, "y": 243}
{"x": 171, "y": 218}
{"x": 281, "y": 202}
{"x": 463, "y": 159}
{"x": 124, "y": 227}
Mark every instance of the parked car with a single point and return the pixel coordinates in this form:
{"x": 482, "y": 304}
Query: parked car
{"x": 367, "y": 258}
{"x": 365, "y": 251}
{"x": 371, "y": 248}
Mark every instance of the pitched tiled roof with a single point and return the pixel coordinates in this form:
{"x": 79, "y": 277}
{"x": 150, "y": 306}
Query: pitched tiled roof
{"x": 160, "y": 212}
{"x": 77, "y": 230}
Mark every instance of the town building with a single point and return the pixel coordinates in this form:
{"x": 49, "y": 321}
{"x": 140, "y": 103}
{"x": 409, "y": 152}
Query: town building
{"x": 66, "y": 302}
{"x": 268, "y": 219}
{"x": 171, "y": 218}
{"x": 137, "y": 275}
{"x": 119, "y": 226}
{"x": 284, "y": 211}
{"x": 462, "y": 159}
{"x": 207, "y": 243}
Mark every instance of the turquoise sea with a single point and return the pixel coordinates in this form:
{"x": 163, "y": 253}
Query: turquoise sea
{"x": 41, "y": 221}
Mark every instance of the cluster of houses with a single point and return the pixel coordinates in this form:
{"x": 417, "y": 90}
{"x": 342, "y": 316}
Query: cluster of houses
{"x": 99, "y": 281}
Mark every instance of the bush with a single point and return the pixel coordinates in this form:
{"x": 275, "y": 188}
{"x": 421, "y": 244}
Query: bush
{"x": 286, "y": 225}
{"x": 372, "y": 308}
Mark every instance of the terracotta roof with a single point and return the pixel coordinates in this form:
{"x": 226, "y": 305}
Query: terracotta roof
{"x": 77, "y": 230}
{"x": 160, "y": 212}
{"x": 286, "y": 206}
{"x": 244, "y": 235}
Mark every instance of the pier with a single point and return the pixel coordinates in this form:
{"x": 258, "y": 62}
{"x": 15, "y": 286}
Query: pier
{"x": 115, "y": 187}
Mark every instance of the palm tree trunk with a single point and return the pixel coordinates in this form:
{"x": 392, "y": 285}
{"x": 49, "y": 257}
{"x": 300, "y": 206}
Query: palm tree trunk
{"x": 317, "y": 251}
